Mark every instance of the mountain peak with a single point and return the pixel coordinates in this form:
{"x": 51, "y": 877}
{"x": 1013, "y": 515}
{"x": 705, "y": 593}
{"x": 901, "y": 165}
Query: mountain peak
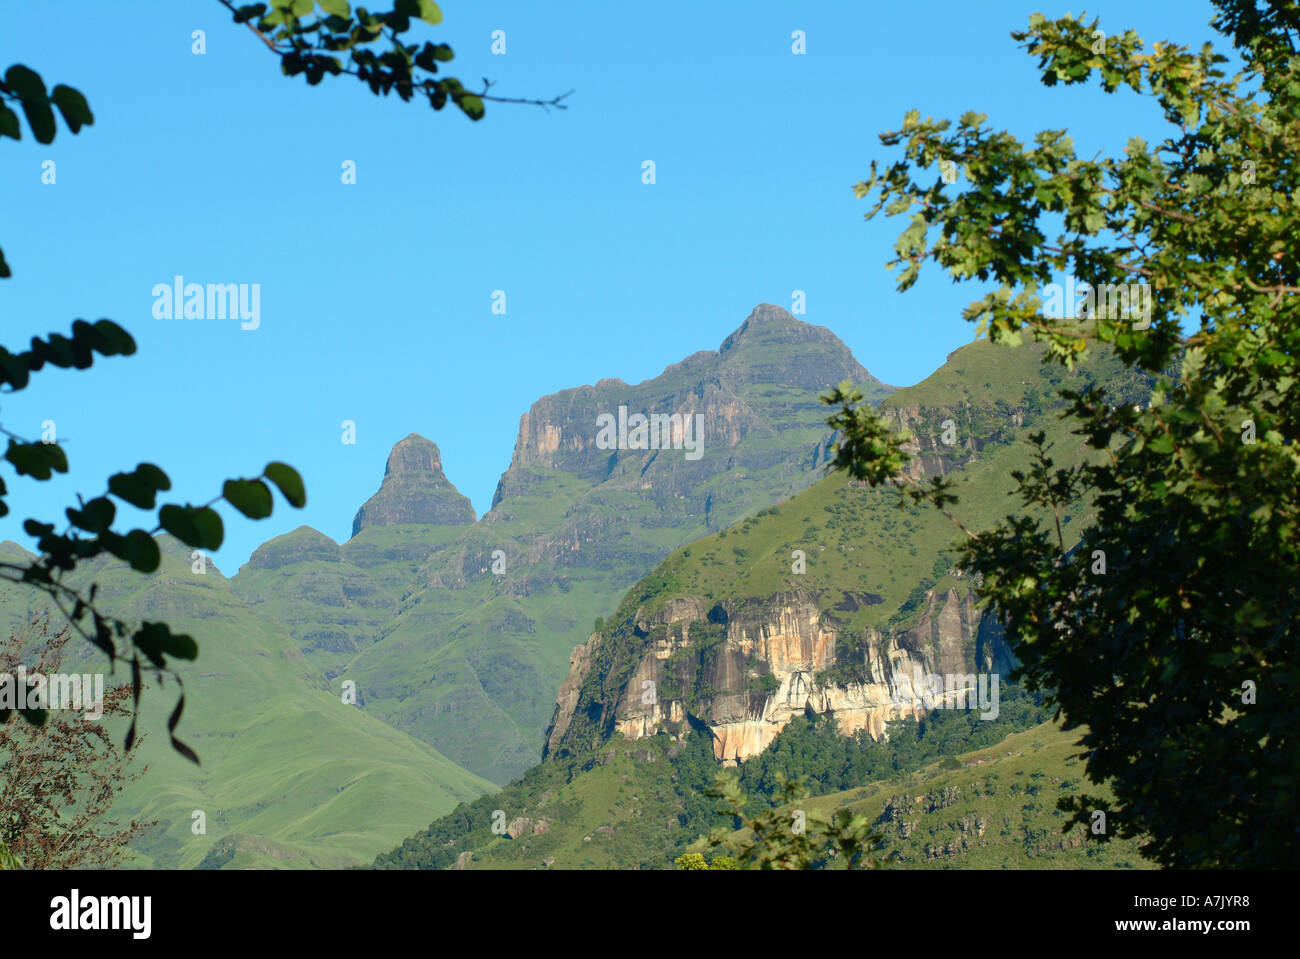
{"x": 10, "y": 548}
{"x": 414, "y": 490}
{"x": 769, "y": 326}
{"x": 414, "y": 454}
{"x": 771, "y": 313}
{"x": 775, "y": 346}
{"x": 766, "y": 318}
{"x": 303, "y": 545}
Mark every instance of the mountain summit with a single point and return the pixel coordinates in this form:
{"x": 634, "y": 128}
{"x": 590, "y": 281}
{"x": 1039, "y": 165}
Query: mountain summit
{"x": 740, "y": 388}
{"x": 414, "y": 490}
{"x": 772, "y": 325}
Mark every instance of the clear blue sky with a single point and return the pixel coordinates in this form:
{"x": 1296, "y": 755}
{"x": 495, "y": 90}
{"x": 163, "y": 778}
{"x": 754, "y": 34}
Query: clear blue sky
{"x": 376, "y": 298}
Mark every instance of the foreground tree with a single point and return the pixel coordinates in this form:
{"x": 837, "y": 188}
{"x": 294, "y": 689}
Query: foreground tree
{"x": 59, "y": 779}
{"x": 784, "y": 835}
{"x": 1170, "y": 631}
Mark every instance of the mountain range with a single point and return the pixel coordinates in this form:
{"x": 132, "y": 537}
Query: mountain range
{"x": 745, "y": 589}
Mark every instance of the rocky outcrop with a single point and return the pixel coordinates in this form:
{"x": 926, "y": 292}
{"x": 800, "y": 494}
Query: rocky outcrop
{"x": 570, "y": 690}
{"x": 414, "y": 490}
{"x": 744, "y": 670}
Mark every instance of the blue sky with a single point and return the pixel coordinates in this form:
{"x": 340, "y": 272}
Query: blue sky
{"x": 376, "y": 297}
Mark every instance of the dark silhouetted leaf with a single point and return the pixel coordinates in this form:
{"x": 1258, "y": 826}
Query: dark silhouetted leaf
{"x": 73, "y": 106}
{"x": 250, "y": 497}
{"x": 289, "y": 483}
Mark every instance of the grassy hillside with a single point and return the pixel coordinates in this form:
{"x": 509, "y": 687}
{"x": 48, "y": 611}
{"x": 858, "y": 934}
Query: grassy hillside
{"x": 290, "y": 775}
{"x": 336, "y": 600}
{"x": 859, "y": 540}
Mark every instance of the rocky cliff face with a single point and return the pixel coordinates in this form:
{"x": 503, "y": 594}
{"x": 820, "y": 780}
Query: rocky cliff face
{"x": 771, "y": 348}
{"x": 744, "y": 670}
{"x": 414, "y": 490}
{"x": 931, "y": 456}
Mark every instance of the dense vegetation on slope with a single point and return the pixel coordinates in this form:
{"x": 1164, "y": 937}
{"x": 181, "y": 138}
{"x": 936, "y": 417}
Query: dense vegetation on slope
{"x": 811, "y": 747}
{"x": 994, "y": 808}
{"x": 640, "y": 805}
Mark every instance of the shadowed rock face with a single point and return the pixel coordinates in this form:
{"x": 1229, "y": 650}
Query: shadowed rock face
{"x": 414, "y": 490}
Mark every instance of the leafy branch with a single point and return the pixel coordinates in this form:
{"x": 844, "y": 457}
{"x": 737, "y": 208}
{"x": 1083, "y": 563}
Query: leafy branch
{"x": 306, "y": 45}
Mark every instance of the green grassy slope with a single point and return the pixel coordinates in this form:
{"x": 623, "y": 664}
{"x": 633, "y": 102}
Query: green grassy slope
{"x": 857, "y": 538}
{"x": 336, "y": 600}
{"x": 290, "y": 775}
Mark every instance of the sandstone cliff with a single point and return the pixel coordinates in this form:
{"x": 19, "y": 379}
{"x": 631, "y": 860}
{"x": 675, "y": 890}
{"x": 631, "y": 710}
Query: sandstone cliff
{"x": 744, "y": 670}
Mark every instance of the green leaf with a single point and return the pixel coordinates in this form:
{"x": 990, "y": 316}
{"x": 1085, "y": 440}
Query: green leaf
{"x": 1161, "y": 444}
{"x": 425, "y": 10}
{"x": 25, "y": 82}
{"x": 104, "y": 337}
{"x": 157, "y": 641}
{"x": 141, "y": 552}
{"x": 153, "y": 476}
{"x": 248, "y": 11}
{"x": 97, "y": 515}
{"x": 250, "y": 497}
{"x": 9, "y": 126}
{"x": 211, "y": 528}
{"x": 182, "y": 646}
{"x": 172, "y": 722}
{"x": 200, "y": 527}
{"x": 73, "y": 106}
{"x": 289, "y": 483}
{"x": 338, "y": 8}
{"x": 112, "y": 339}
{"x": 37, "y": 460}
{"x": 185, "y": 751}
{"x": 41, "y": 119}
{"x": 131, "y": 489}
{"x": 472, "y": 105}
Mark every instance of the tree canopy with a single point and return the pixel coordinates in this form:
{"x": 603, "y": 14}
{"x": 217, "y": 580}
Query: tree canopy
{"x": 1169, "y": 628}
